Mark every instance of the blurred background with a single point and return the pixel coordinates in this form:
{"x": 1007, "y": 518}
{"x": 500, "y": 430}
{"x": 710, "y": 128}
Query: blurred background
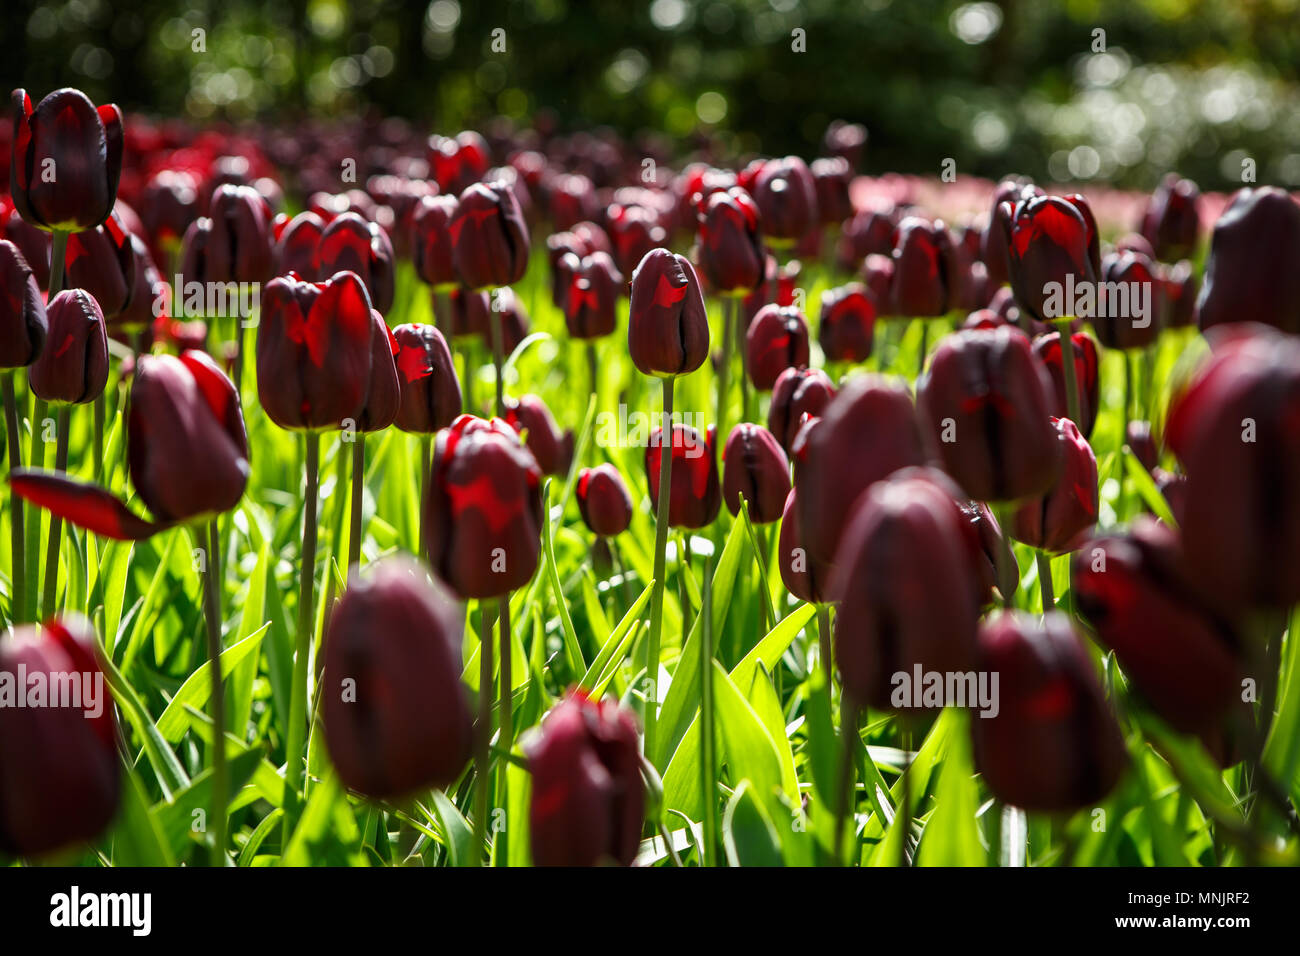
{"x": 1023, "y": 85}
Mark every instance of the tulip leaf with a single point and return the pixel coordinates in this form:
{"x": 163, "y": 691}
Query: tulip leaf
{"x": 951, "y": 836}
{"x": 177, "y": 818}
{"x": 138, "y": 836}
{"x": 571, "y": 647}
{"x": 749, "y": 836}
{"x": 171, "y": 776}
{"x": 198, "y": 687}
{"x": 1146, "y": 488}
{"x": 611, "y": 653}
{"x": 456, "y": 830}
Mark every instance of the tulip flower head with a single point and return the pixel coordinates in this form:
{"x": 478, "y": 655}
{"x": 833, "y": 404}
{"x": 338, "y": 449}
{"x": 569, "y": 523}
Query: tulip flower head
{"x": 668, "y": 328}
{"x": 430, "y": 396}
{"x": 777, "y": 340}
{"x": 24, "y": 324}
{"x": 73, "y": 369}
{"x": 695, "y": 495}
{"x": 603, "y": 500}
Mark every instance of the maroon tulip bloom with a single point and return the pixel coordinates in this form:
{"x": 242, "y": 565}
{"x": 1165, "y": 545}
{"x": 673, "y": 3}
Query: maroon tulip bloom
{"x": 1060, "y": 519}
{"x": 755, "y": 466}
{"x": 458, "y": 162}
{"x": 925, "y": 269}
{"x": 867, "y": 432}
{"x": 731, "y": 252}
{"x": 988, "y": 550}
{"x": 633, "y": 232}
{"x": 1172, "y": 221}
{"x": 1054, "y": 745}
{"x": 23, "y": 322}
{"x": 1049, "y": 245}
{"x": 187, "y": 453}
{"x": 1086, "y": 375}
{"x": 993, "y": 242}
{"x": 1137, "y": 435}
{"x": 1180, "y": 289}
{"x": 905, "y": 586}
{"x": 430, "y": 391}
{"x": 588, "y": 800}
{"x": 297, "y": 245}
{"x": 984, "y": 405}
{"x": 35, "y": 244}
{"x": 66, "y": 160}
{"x": 777, "y": 340}
{"x": 351, "y": 244}
{"x": 668, "y": 328}
{"x": 60, "y": 775}
{"x": 848, "y": 323}
{"x": 506, "y": 306}
{"x": 793, "y": 557}
{"x": 102, "y": 261}
{"x": 483, "y": 510}
{"x": 571, "y": 199}
{"x": 489, "y": 237}
{"x": 552, "y": 448}
{"x": 396, "y": 715}
{"x": 384, "y": 394}
{"x": 603, "y": 500}
{"x": 73, "y": 368}
{"x": 591, "y": 299}
{"x": 1236, "y": 430}
{"x": 314, "y": 351}
{"x": 1250, "y": 275}
{"x": 469, "y": 313}
{"x": 1182, "y": 654}
{"x": 695, "y": 496}
{"x": 147, "y": 302}
{"x": 169, "y": 203}
{"x": 798, "y": 392}
{"x": 233, "y": 243}
{"x": 845, "y": 139}
{"x": 832, "y": 177}
{"x": 869, "y": 232}
{"x": 786, "y": 199}
{"x": 431, "y": 241}
{"x": 1131, "y": 301}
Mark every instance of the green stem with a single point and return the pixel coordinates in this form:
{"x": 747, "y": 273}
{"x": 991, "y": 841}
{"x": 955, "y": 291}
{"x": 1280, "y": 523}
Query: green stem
{"x": 99, "y": 437}
{"x": 708, "y": 757}
{"x": 55, "y": 538}
{"x": 593, "y": 369}
{"x": 661, "y": 546}
{"x": 844, "y": 806}
{"x": 1006, "y": 560}
{"x": 1045, "y": 581}
{"x": 483, "y": 739}
{"x": 358, "y": 495}
{"x": 824, "y": 644}
{"x": 212, "y": 615}
{"x": 925, "y": 346}
{"x": 1070, "y": 373}
{"x": 904, "y": 844}
{"x": 36, "y": 460}
{"x": 497, "y": 358}
{"x": 738, "y": 318}
{"x": 724, "y": 368}
{"x": 506, "y": 718}
{"x": 426, "y": 473}
{"x": 17, "y": 555}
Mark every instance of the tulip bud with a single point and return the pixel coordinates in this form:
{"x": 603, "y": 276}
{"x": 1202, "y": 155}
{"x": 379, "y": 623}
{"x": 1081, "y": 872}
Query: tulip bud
{"x": 430, "y": 390}
{"x": 351, "y": 244}
{"x": 73, "y": 367}
{"x": 571, "y": 199}
{"x": 869, "y": 232}
{"x": 793, "y": 557}
{"x": 786, "y": 199}
{"x": 483, "y": 510}
{"x": 591, "y": 299}
{"x": 23, "y": 322}
{"x": 796, "y": 393}
{"x": 988, "y": 550}
{"x": 296, "y": 243}
{"x": 469, "y": 313}
{"x": 754, "y": 465}
{"x": 1131, "y": 302}
{"x": 66, "y": 162}
{"x": 1172, "y": 222}
{"x": 60, "y": 775}
{"x": 925, "y": 269}
{"x": 169, "y": 203}
{"x": 603, "y": 500}
{"x": 588, "y": 799}
{"x": 695, "y": 495}
{"x": 845, "y": 139}
{"x": 848, "y": 323}
{"x": 384, "y": 393}
{"x": 1060, "y": 519}
{"x": 832, "y": 177}
{"x": 731, "y": 255}
{"x": 489, "y": 238}
{"x": 34, "y": 243}
{"x": 983, "y": 405}
{"x": 234, "y": 243}
{"x": 668, "y": 328}
{"x": 993, "y": 243}
{"x": 508, "y": 308}
{"x": 777, "y": 340}
{"x": 102, "y": 261}
{"x": 1137, "y": 435}
{"x": 1049, "y": 244}
{"x": 1054, "y": 745}
{"x": 633, "y": 232}
{"x": 904, "y": 582}
{"x": 314, "y": 351}
{"x": 431, "y": 243}
{"x": 1179, "y": 295}
{"x": 1047, "y": 348}
{"x": 1250, "y": 275}
{"x": 459, "y": 162}
{"x": 396, "y": 715}
{"x": 552, "y": 448}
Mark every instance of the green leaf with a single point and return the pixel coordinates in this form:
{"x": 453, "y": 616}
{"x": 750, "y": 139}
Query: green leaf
{"x": 951, "y": 836}
{"x": 176, "y": 816}
{"x": 198, "y": 687}
{"x": 749, "y": 837}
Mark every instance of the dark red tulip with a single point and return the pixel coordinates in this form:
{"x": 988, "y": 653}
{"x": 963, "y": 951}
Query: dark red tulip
{"x": 66, "y": 160}
{"x": 396, "y": 715}
{"x": 591, "y": 299}
{"x": 469, "y": 313}
{"x": 848, "y": 323}
{"x": 34, "y": 243}
{"x": 297, "y": 244}
{"x": 509, "y": 308}
{"x": 552, "y": 448}
{"x": 1180, "y": 652}
{"x": 793, "y": 557}
{"x": 426, "y": 374}
{"x": 1086, "y": 375}
{"x": 313, "y": 351}
{"x": 603, "y": 500}
{"x": 988, "y": 550}
{"x": 489, "y": 237}
{"x": 993, "y": 243}
{"x": 1131, "y": 301}
{"x": 925, "y": 269}
{"x": 571, "y": 198}
{"x": 633, "y": 232}
{"x": 695, "y": 496}
{"x": 73, "y": 367}
{"x": 483, "y": 510}
{"x": 868, "y": 232}
{"x": 232, "y": 244}
{"x": 796, "y": 393}
{"x": 1060, "y": 519}
{"x": 588, "y": 801}
{"x": 351, "y": 244}
{"x": 668, "y": 328}
{"x": 845, "y": 139}
{"x": 1180, "y": 289}
{"x": 431, "y": 242}
{"x": 102, "y": 261}
{"x": 1054, "y": 745}
{"x": 1250, "y": 275}
{"x": 984, "y": 404}
{"x": 384, "y": 394}
{"x": 777, "y": 340}
{"x": 1236, "y": 430}
{"x": 785, "y": 278}
{"x": 832, "y": 177}
{"x": 1049, "y": 244}
{"x": 60, "y": 774}
{"x": 169, "y": 203}
{"x": 23, "y": 322}
{"x": 1172, "y": 221}
{"x": 754, "y": 465}
{"x": 1137, "y": 435}
{"x": 458, "y": 162}
{"x": 731, "y": 255}
{"x": 866, "y": 433}
{"x": 786, "y": 199}
{"x": 878, "y": 276}
{"x": 904, "y": 583}
{"x": 149, "y": 293}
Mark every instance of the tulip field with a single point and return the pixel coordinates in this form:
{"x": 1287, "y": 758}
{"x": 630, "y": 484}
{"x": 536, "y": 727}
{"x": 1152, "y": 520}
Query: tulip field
{"x": 340, "y": 525}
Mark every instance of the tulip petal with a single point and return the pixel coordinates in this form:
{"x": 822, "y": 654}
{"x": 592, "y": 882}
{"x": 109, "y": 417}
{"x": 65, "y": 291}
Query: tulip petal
{"x": 84, "y": 505}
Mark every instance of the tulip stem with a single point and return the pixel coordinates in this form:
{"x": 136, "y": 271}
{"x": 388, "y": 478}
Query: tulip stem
{"x": 738, "y": 318}
{"x": 724, "y": 367}
{"x": 50, "y": 593}
{"x": 1006, "y": 561}
{"x": 483, "y": 739}
{"x": 924, "y": 347}
{"x": 426, "y": 470}
{"x": 17, "y": 552}
{"x": 206, "y": 539}
{"x": 708, "y": 757}
{"x": 1045, "y": 581}
{"x": 498, "y": 359}
{"x": 593, "y": 369}
{"x": 295, "y": 768}
{"x": 99, "y": 437}
{"x": 844, "y": 805}
{"x": 506, "y": 718}
{"x": 358, "y": 495}
{"x": 824, "y": 644}
{"x": 1070, "y": 373}
{"x": 36, "y": 459}
{"x": 661, "y": 546}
